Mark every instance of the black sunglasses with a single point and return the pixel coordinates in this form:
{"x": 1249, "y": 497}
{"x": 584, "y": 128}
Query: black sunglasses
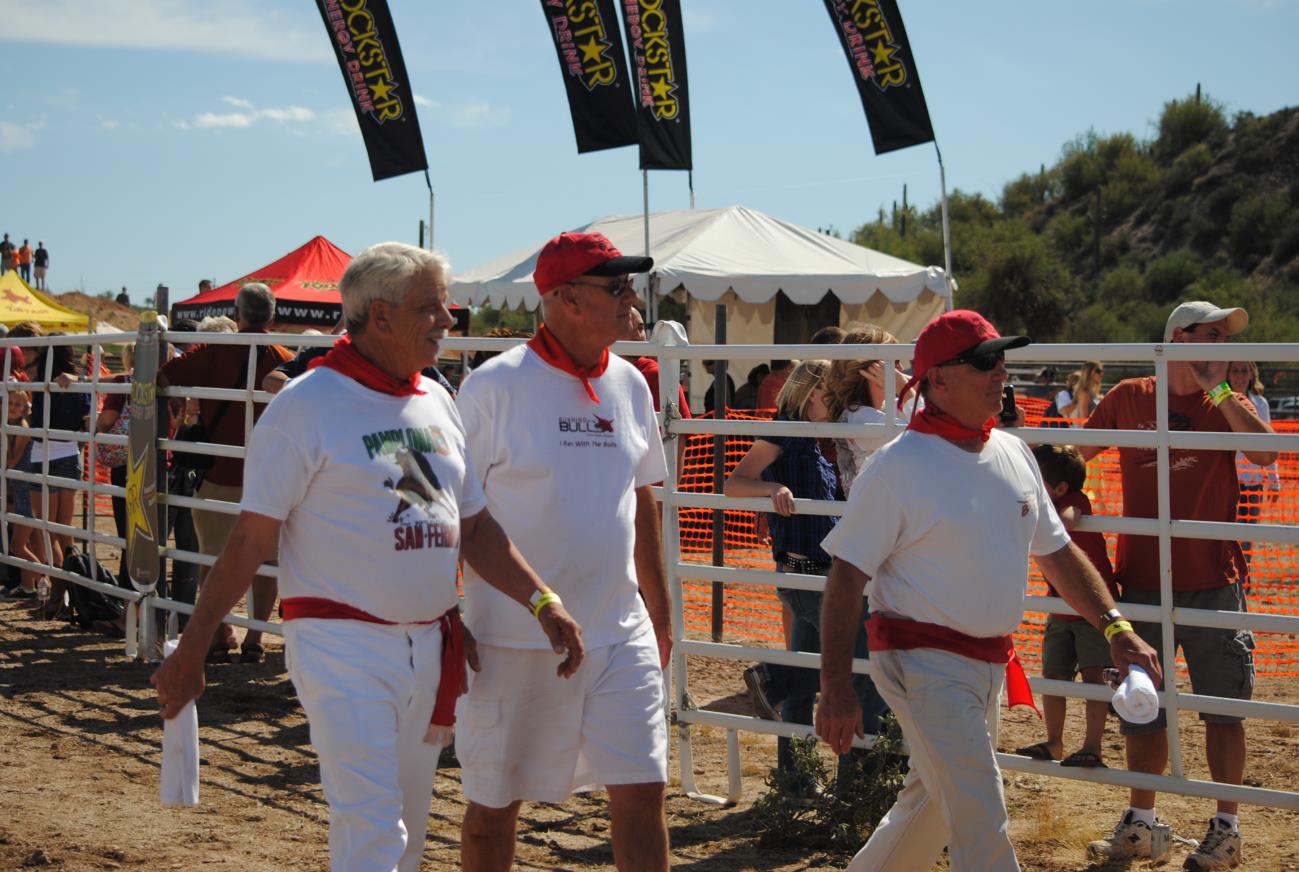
{"x": 615, "y": 289}
{"x": 984, "y": 362}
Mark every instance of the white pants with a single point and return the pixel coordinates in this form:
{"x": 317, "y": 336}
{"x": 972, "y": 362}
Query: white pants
{"x": 952, "y": 795}
{"x": 368, "y": 690}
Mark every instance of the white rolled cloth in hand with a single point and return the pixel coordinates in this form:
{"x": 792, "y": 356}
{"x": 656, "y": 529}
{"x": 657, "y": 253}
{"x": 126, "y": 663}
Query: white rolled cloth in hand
{"x": 180, "y": 752}
{"x": 1135, "y": 700}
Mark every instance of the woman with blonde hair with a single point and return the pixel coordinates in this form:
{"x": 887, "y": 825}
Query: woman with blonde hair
{"x": 1083, "y": 393}
{"x": 854, "y": 394}
{"x": 786, "y": 468}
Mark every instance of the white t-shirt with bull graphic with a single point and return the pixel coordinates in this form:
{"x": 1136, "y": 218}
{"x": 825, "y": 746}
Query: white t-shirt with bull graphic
{"x": 560, "y": 472}
{"x": 371, "y": 489}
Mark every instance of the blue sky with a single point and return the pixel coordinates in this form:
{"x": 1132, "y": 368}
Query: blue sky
{"x": 160, "y": 141}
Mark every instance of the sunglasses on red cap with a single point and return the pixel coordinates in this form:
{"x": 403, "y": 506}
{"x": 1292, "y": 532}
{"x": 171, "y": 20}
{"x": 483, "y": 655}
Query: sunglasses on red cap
{"x": 985, "y": 362}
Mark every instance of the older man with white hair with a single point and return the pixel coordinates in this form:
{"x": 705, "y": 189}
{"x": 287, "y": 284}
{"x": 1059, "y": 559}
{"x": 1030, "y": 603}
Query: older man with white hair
{"x": 359, "y": 470}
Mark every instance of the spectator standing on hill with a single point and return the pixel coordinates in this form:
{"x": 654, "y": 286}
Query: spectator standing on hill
{"x": 7, "y": 255}
{"x": 1207, "y": 573}
{"x": 226, "y": 366}
{"x": 25, "y": 261}
{"x": 941, "y": 522}
{"x": 564, "y": 439}
{"x": 371, "y": 627}
{"x": 123, "y": 298}
{"x": 41, "y": 262}
{"x": 1070, "y": 645}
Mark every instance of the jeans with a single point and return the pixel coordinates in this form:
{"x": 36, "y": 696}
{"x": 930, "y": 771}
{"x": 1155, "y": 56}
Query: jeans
{"x": 796, "y": 687}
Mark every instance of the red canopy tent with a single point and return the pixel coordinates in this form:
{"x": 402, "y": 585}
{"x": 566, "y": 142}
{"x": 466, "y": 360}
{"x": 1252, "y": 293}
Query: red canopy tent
{"x": 304, "y": 281}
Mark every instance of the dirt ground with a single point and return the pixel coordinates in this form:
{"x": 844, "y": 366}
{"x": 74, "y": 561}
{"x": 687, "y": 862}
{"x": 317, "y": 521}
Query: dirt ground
{"x": 80, "y": 747}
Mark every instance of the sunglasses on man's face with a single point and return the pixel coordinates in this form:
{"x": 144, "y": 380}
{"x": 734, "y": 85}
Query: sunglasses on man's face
{"x": 984, "y": 362}
{"x": 615, "y": 289}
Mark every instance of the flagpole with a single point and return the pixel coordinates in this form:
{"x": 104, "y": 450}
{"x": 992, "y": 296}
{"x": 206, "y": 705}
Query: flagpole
{"x": 947, "y": 233}
{"x": 651, "y": 308}
{"x": 690, "y": 180}
{"x": 428, "y": 182}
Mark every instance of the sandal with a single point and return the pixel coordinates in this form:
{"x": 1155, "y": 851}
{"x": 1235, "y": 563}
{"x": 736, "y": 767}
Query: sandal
{"x": 1084, "y": 758}
{"x": 217, "y": 655}
{"x": 1039, "y": 751}
{"x": 252, "y": 653}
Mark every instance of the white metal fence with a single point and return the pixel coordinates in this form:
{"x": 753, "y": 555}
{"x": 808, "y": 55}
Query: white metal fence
{"x": 670, "y": 347}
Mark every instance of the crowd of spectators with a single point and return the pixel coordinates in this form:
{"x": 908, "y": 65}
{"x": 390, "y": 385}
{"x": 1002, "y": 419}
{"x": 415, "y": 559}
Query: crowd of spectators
{"x": 27, "y": 261}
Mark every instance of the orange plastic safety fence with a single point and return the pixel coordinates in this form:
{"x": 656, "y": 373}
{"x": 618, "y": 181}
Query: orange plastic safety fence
{"x": 754, "y": 613}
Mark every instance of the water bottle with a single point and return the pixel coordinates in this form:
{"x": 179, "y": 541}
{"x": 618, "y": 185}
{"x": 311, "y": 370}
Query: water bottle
{"x": 43, "y": 591}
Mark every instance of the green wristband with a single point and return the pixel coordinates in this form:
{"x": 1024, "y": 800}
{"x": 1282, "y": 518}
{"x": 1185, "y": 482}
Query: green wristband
{"x": 544, "y": 600}
{"x": 1113, "y": 628}
{"x": 1220, "y": 393}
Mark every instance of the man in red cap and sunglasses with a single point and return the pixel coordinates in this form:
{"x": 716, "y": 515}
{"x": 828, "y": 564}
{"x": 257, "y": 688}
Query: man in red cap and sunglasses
{"x": 565, "y": 441}
{"x": 941, "y": 523}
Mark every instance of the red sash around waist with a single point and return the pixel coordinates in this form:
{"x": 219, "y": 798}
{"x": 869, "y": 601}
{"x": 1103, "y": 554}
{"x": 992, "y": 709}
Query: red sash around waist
{"x": 454, "y": 678}
{"x": 898, "y": 634}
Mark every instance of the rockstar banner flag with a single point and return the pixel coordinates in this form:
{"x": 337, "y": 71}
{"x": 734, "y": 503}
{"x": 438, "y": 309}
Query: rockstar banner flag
{"x": 875, "y": 42}
{"x": 595, "y": 73}
{"x": 142, "y": 539}
{"x": 365, "y": 44}
{"x": 658, "y": 54}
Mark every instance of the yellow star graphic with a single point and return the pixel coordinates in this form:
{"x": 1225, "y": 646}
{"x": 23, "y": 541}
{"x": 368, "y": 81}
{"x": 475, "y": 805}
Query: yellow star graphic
{"x": 137, "y": 519}
{"x": 662, "y": 88}
{"x": 381, "y": 90}
{"x": 883, "y": 53}
{"x": 592, "y": 50}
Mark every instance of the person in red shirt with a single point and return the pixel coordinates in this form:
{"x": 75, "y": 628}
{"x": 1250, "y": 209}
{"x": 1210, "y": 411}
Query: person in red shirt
{"x": 772, "y": 383}
{"x": 634, "y": 331}
{"x": 1070, "y": 645}
{"x": 1207, "y": 573}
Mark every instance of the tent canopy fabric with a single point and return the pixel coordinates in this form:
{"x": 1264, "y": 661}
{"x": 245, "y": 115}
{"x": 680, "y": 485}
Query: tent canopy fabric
{"x": 304, "y": 281}
{"x": 19, "y": 302}
{"x": 711, "y": 251}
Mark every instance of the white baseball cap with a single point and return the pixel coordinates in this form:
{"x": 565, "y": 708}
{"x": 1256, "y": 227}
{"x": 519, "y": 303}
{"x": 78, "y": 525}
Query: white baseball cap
{"x": 1200, "y": 312}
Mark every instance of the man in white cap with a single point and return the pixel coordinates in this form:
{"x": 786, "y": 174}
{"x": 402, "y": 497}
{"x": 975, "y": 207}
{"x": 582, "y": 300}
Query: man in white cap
{"x": 941, "y": 522}
{"x": 1207, "y": 573}
{"x": 564, "y": 437}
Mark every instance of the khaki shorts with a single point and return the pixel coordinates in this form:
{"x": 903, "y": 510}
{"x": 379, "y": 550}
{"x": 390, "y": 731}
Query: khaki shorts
{"x": 1220, "y": 662}
{"x": 213, "y": 528}
{"x": 526, "y": 734}
{"x": 1068, "y": 647}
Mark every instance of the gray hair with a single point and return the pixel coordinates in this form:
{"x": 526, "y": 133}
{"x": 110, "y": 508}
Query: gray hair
{"x": 384, "y": 272}
{"x": 217, "y": 324}
{"x": 255, "y": 304}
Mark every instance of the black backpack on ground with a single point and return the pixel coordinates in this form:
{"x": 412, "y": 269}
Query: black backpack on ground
{"x": 89, "y": 606}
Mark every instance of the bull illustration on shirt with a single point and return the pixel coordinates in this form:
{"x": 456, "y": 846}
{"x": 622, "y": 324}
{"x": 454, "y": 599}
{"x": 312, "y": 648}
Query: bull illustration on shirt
{"x": 418, "y": 486}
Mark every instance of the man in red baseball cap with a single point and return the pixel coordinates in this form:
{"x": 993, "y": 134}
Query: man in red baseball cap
{"x": 566, "y": 444}
{"x": 942, "y": 521}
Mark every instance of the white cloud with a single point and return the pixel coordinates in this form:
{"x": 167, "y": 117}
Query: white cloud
{"x": 290, "y": 114}
{"x": 109, "y": 124}
{"x": 229, "y": 119}
{"x": 18, "y": 137}
{"x": 245, "y": 28}
{"x": 477, "y": 113}
{"x": 421, "y": 100}
{"x": 251, "y": 115}
{"x": 237, "y": 102}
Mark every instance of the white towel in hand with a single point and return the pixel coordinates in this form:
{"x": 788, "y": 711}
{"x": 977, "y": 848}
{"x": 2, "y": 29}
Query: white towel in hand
{"x": 1136, "y": 700}
{"x": 180, "y": 752}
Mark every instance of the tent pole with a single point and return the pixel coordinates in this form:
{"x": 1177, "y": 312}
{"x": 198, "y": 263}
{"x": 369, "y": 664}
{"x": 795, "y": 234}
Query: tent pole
{"x": 947, "y": 233}
{"x": 651, "y": 307}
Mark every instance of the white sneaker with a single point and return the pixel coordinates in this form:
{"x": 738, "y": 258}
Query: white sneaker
{"x": 1220, "y": 848}
{"x": 1131, "y": 838}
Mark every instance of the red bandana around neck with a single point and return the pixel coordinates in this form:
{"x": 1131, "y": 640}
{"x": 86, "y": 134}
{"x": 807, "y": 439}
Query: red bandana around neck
{"x": 552, "y": 352}
{"x": 344, "y": 358}
{"x": 936, "y": 422}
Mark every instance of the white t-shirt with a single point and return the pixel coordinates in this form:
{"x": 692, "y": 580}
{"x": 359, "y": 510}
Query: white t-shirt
{"x": 853, "y": 453}
{"x": 945, "y": 533}
{"x": 560, "y": 473}
{"x": 371, "y": 489}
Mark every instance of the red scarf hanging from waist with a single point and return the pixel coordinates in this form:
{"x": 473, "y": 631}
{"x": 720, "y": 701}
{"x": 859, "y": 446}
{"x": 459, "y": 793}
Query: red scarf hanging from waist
{"x": 935, "y": 421}
{"x": 346, "y": 359}
{"x": 898, "y": 634}
{"x": 552, "y": 352}
{"x": 454, "y": 679}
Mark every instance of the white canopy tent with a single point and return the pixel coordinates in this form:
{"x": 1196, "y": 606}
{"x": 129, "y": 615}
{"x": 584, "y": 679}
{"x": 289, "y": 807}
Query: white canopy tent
{"x": 740, "y": 258}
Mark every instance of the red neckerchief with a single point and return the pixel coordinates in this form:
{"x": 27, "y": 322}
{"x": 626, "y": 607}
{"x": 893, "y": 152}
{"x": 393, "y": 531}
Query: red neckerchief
{"x": 935, "y": 421}
{"x": 346, "y": 359}
{"x": 549, "y": 349}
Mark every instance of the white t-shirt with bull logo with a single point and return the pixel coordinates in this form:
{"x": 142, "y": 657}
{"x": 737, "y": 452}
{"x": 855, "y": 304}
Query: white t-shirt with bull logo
{"x": 371, "y": 489}
{"x": 560, "y": 472}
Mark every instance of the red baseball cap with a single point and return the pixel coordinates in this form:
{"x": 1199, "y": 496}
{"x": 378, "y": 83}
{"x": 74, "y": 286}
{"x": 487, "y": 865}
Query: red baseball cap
{"x": 570, "y": 255}
{"x": 959, "y": 333}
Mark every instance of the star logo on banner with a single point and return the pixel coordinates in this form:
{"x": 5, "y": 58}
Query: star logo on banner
{"x": 137, "y": 521}
{"x": 592, "y": 50}
{"x": 662, "y": 88}
{"x": 381, "y": 90}
{"x": 883, "y": 53}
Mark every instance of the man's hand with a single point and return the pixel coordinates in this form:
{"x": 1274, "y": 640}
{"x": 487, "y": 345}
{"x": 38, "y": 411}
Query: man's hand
{"x": 178, "y": 680}
{"x": 838, "y": 718}
{"x": 1210, "y": 373}
{"x": 1129, "y": 649}
{"x": 663, "y": 636}
{"x": 471, "y": 654}
{"x": 565, "y": 637}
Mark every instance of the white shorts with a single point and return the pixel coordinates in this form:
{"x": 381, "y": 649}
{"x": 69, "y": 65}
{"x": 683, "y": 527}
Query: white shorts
{"x": 368, "y": 690}
{"x": 525, "y": 733}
